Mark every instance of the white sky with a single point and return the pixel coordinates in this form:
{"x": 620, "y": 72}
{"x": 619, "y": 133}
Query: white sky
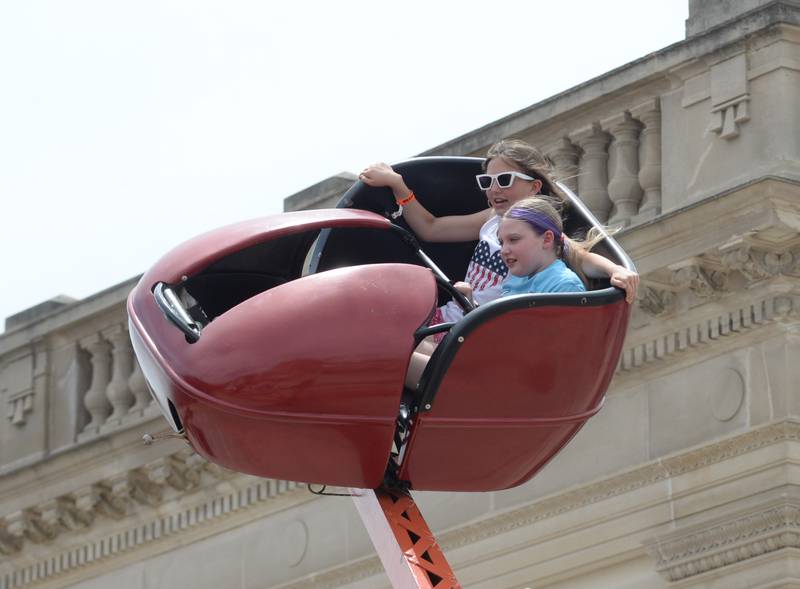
{"x": 128, "y": 127}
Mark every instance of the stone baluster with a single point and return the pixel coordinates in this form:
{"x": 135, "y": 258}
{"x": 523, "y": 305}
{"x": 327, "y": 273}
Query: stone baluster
{"x": 138, "y": 388}
{"x": 650, "y": 170}
{"x": 118, "y": 392}
{"x": 593, "y": 177}
{"x": 95, "y": 399}
{"x": 624, "y": 190}
{"x": 565, "y": 156}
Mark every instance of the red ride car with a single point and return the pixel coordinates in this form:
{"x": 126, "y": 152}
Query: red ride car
{"x": 279, "y": 346}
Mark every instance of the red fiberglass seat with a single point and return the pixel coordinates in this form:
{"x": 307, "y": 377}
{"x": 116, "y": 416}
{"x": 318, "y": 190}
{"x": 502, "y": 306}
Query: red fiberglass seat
{"x": 279, "y": 347}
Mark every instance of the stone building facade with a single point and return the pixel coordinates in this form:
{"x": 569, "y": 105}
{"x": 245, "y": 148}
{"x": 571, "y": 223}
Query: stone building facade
{"x": 689, "y": 476}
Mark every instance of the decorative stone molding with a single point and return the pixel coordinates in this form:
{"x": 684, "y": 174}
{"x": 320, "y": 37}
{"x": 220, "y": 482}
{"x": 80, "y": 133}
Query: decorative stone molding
{"x": 143, "y": 531}
{"x": 692, "y": 275}
{"x": 9, "y": 544}
{"x": 692, "y": 552}
{"x": 755, "y": 439}
{"x": 655, "y": 301}
{"x": 62, "y": 514}
{"x": 135, "y": 485}
{"x": 119, "y": 496}
{"x": 19, "y": 405}
{"x": 182, "y": 474}
{"x": 98, "y": 499}
{"x": 706, "y": 330}
{"x": 757, "y": 264}
{"x": 26, "y": 524}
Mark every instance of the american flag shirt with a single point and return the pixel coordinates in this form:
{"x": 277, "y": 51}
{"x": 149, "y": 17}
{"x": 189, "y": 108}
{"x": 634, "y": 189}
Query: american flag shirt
{"x": 485, "y": 272}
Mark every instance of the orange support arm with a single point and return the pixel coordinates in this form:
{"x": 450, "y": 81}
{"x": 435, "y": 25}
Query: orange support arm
{"x": 405, "y": 544}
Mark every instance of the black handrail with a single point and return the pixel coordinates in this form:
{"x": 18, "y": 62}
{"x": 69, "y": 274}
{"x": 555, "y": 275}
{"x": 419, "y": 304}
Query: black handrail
{"x": 441, "y": 278}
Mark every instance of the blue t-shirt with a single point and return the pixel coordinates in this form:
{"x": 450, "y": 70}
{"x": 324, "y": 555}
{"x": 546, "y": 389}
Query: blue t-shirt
{"x": 555, "y": 278}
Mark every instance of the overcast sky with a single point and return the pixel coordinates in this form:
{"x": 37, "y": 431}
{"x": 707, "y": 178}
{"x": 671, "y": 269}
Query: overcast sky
{"x": 128, "y": 127}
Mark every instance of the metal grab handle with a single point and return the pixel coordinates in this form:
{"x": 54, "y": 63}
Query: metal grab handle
{"x": 173, "y": 310}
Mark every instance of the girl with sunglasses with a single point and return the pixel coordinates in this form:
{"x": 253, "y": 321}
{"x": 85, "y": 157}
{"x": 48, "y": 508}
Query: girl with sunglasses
{"x": 514, "y": 170}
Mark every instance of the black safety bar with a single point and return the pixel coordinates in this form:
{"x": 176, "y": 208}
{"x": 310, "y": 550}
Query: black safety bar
{"x": 441, "y": 279}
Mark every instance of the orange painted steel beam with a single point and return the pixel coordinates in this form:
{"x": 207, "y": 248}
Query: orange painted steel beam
{"x": 406, "y": 546}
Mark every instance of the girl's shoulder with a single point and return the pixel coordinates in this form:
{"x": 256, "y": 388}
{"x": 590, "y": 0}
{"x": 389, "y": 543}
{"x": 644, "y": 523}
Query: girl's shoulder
{"x": 491, "y": 221}
{"x": 564, "y": 279}
{"x": 488, "y": 231}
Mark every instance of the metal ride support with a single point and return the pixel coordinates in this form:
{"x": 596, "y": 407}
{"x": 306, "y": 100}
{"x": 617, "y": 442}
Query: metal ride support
{"x": 402, "y": 539}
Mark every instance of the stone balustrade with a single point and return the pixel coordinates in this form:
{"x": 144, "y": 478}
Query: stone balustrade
{"x": 614, "y": 164}
{"x": 117, "y": 393}
{"x": 70, "y": 378}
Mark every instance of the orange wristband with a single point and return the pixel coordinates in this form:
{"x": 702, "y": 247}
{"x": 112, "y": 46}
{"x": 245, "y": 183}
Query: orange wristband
{"x": 404, "y": 201}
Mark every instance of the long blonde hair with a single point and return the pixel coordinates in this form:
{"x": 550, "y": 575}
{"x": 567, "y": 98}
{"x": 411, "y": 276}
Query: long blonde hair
{"x": 565, "y": 247}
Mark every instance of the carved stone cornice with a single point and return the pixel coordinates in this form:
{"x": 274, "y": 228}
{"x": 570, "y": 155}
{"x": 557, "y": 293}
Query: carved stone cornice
{"x": 181, "y": 472}
{"x": 97, "y": 499}
{"x": 143, "y": 526}
{"x": 656, "y": 301}
{"x": 9, "y": 544}
{"x": 122, "y": 495}
{"x": 703, "y": 327}
{"x": 723, "y": 542}
{"x": 756, "y": 263}
{"x": 749, "y": 281}
{"x": 27, "y": 524}
{"x": 62, "y": 514}
{"x": 762, "y": 213}
{"x": 694, "y": 275}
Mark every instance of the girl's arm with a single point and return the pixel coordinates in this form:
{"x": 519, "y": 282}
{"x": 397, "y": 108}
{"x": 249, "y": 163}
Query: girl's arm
{"x": 597, "y": 266}
{"x": 422, "y": 222}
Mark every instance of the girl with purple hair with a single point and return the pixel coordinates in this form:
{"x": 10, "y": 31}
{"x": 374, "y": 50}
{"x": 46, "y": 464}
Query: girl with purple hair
{"x": 536, "y": 253}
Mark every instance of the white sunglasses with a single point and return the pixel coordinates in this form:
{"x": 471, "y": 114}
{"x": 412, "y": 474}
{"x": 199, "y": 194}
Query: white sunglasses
{"x": 503, "y": 179}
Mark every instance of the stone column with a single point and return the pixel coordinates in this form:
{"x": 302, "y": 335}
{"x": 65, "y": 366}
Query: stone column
{"x": 624, "y": 190}
{"x": 565, "y": 156}
{"x": 593, "y": 177}
{"x": 650, "y": 169}
{"x": 138, "y": 387}
{"x": 118, "y": 393}
{"x": 95, "y": 399}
